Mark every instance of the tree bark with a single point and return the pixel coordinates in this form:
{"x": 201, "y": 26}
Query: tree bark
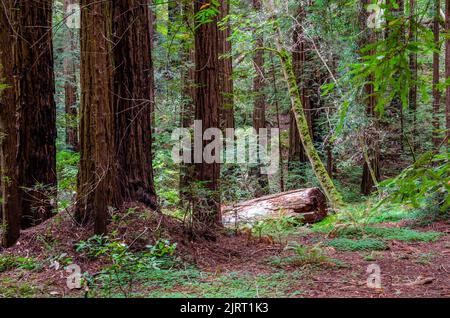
{"x": 188, "y": 96}
{"x": 296, "y": 151}
{"x": 133, "y": 98}
{"x": 371, "y": 166}
{"x": 398, "y": 37}
{"x": 226, "y": 70}
{"x": 277, "y": 110}
{"x": 70, "y": 85}
{"x": 308, "y": 205}
{"x": 117, "y": 97}
{"x": 206, "y": 204}
{"x": 436, "y": 75}
{"x": 28, "y": 115}
{"x": 152, "y": 28}
{"x": 318, "y": 167}
{"x": 259, "y": 108}
{"x": 98, "y": 179}
{"x": 413, "y": 67}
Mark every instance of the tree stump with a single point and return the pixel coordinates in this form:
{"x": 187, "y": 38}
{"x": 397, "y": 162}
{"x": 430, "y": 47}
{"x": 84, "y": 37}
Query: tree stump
{"x": 308, "y": 205}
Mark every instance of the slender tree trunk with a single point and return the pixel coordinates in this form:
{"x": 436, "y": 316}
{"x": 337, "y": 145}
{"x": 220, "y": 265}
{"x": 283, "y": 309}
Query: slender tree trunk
{"x": 277, "y": 109}
{"x": 318, "y": 167}
{"x": 70, "y": 85}
{"x": 259, "y": 109}
{"x": 188, "y": 96}
{"x": 447, "y": 70}
{"x": 371, "y": 165}
{"x": 436, "y": 75}
{"x": 398, "y": 37}
{"x": 206, "y": 205}
{"x": 413, "y": 68}
{"x": 296, "y": 152}
{"x": 226, "y": 70}
{"x": 27, "y": 115}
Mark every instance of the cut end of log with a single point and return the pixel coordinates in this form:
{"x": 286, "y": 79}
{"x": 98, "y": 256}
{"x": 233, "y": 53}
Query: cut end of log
{"x": 308, "y": 205}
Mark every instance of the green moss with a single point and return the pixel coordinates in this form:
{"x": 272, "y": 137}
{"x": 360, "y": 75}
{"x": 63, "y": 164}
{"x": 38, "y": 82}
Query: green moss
{"x": 302, "y": 125}
{"x": 365, "y": 244}
{"x": 403, "y": 234}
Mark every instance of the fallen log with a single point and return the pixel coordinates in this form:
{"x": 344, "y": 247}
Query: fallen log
{"x": 308, "y": 205}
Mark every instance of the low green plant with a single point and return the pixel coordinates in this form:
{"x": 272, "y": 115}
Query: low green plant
{"x": 425, "y": 258}
{"x": 429, "y": 176}
{"x": 371, "y": 256}
{"x": 67, "y": 169}
{"x": 11, "y": 288}
{"x": 9, "y": 262}
{"x": 304, "y": 254}
{"x": 403, "y": 234}
{"x": 278, "y": 227}
{"x": 364, "y": 244}
{"x": 392, "y": 233}
{"x": 126, "y": 267}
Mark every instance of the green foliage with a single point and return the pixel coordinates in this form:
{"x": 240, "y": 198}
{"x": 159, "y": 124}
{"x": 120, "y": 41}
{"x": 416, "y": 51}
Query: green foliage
{"x": 306, "y": 254}
{"x": 278, "y": 227}
{"x": 393, "y": 233}
{"x": 190, "y": 282}
{"x": 364, "y": 244}
{"x": 67, "y": 169}
{"x": 429, "y": 176}
{"x": 126, "y": 267}
{"x": 9, "y": 262}
{"x": 11, "y": 288}
{"x": 166, "y": 173}
{"x": 403, "y": 234}
{"x": 208, "y": 11}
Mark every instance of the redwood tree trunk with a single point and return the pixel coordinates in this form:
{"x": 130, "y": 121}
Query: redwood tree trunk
{"x": 296, "y": 151}
{"x": 206, "y": 204}
{"x": 436, "y": 60}
{"x": 399, "y": 37}
{"x": 116, "y": 159}
{"x": 226, "y": 71}
{"x": 27, "y": 115}
{"x": 259, "y": 108}
{"x": 133, "y": 98}
{"x": 373, "y": 151}
{"x": 413, "y": 67}
{"x": 98, "y": 188}
{"x": 70, "y": 85}
{"x": 188, "y": 96}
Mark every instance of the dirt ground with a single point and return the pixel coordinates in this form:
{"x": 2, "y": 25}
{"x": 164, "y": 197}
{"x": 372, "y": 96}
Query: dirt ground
{"x": 407, "y": 269}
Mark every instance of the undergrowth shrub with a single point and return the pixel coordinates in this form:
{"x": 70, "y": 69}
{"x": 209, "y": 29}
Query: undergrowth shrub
{"x": 278, "y": 227}
{"x": 365, "y": 244}
{"x": 9, "y": 262}
{"x": 126, "y": 267}
{"x": 305, "y": 255}
{"x": 67, "y": 169}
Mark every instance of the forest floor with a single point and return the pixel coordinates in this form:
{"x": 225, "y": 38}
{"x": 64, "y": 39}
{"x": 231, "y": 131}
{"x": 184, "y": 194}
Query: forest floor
{"x": 275, "y": 259}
